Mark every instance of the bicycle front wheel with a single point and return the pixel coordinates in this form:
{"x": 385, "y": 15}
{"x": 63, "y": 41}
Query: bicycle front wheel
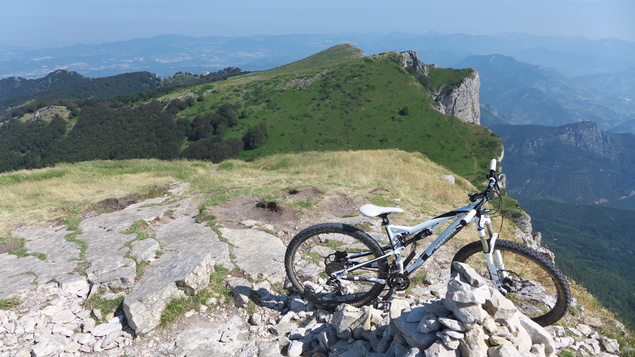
{"x": 534, "y": 284}
{"x": 321, "y": 250}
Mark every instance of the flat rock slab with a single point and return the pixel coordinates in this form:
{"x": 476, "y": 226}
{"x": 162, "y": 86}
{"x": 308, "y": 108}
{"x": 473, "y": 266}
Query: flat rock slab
{"x": 14, "y": 274}
{"x": 119, "y": 221}
{"x": 108, "y": 248}
{"x": 259, "y": 254}
{"x": 19, "y": 274}
{"x": 106, "y": 254}
{"x": 190, "y": 252}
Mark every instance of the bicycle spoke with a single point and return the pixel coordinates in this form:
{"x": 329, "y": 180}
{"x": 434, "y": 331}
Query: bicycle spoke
{"x": 319, "y": 258}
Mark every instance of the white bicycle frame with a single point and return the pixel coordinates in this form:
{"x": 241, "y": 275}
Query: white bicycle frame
{"x": 463, "y": 216}
{"x": 395, "y": 234}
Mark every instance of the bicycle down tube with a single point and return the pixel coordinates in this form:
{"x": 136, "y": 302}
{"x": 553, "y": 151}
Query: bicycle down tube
{"x": 432, "y": 224}
{"x": 396, "y": 247}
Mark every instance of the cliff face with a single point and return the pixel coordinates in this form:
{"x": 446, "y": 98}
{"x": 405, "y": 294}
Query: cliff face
{"x": 576, "y": 163}
{"x": 463, "y": 100}
{"x": 460, "y": 99}
{"x": 587, "y": 136}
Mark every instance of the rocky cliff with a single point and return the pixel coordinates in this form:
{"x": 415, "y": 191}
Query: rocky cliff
{"x": 575, "y": 163}
{"x": 460, "y": 99}
{"x": 588, "y": 137}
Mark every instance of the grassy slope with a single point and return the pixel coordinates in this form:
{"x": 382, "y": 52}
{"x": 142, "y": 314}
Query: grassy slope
{"x": 337, "y": 100}
{"x": 67, "y": 189}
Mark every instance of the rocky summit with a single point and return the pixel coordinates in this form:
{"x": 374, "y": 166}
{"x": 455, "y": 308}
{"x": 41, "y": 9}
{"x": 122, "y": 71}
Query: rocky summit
{"x": 151, "y": 253}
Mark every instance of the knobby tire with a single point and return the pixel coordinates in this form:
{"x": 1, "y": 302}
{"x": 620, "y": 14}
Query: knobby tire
{"x": 320, "y": 249}
{"x": 543, "y": 268}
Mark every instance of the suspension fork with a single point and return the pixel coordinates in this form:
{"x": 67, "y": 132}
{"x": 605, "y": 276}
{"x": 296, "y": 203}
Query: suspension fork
{"x": 493, "y": 256}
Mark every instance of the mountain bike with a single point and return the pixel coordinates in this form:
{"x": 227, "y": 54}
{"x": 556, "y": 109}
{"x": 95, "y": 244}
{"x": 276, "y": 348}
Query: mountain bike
{"x": 335, "y": 263}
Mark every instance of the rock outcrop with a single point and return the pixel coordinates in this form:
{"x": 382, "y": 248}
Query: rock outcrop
{"x": 190, "y": 252}
{"x": 457, "y": 99}
{"x": 462, "y": 101}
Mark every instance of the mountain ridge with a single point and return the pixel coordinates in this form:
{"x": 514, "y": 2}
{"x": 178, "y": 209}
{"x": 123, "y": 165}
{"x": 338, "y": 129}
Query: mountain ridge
{"x": 164, "y": 54}
{"x": 575, "y": 163}
{"x": 523, "y": 93}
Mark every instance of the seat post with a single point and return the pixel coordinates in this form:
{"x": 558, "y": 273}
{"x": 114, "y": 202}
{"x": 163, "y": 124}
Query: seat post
{"x": 384, "y": 219}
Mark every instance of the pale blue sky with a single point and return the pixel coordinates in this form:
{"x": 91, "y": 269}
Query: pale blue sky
{"x": 52, "y": 23}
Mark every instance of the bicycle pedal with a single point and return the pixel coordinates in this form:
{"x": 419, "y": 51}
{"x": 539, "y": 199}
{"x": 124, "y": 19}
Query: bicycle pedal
{"x": 381, "y": 304}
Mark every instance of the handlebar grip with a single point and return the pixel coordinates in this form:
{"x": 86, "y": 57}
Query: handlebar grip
{"x": 492, "y": 165}
{"x": 468, "y": 217}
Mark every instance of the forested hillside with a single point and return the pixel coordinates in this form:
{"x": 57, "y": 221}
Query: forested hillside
{"x": 63, "y": 84}
{"x": 594, "y": 246}
{"x": 334, "y": 100}
{"x": 575, "y": 163}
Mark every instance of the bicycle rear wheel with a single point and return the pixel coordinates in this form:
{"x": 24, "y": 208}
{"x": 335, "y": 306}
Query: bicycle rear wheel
{"x": 318, "y": 251}
{"x": 534, "y": 284}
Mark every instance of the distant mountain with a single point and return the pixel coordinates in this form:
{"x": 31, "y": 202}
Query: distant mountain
{"x": 163, "y": 55}
{"x": 618, "y": 84}
{"x": 576, "y": 163}
{"x": 168, "y": 54}
{"x": 21, "y": 87}
{"x": 523, "y": 93}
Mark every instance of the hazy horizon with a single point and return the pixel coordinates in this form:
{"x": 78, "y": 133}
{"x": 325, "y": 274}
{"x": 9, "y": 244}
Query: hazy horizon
{"x": 46, "y": 24}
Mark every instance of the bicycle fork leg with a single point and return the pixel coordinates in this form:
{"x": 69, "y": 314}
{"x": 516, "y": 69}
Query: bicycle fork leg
{"x": 496, "y": 265}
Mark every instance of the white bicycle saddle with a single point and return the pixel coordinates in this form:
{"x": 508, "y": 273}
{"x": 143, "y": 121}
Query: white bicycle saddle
{"x": 371, "y": 210}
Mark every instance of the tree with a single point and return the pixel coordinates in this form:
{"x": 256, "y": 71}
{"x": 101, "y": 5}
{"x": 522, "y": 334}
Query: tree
{"x": 255, "y": 136}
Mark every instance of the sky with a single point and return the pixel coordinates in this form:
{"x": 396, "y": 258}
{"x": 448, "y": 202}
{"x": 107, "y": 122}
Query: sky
{"x": 57, "y": 23}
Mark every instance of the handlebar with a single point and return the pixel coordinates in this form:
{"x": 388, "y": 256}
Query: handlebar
{"x": 484, "y": 196}
{"x": 493, "y": 182}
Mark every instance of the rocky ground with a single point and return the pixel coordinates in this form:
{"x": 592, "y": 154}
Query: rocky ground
{"x": 145, "y": 254}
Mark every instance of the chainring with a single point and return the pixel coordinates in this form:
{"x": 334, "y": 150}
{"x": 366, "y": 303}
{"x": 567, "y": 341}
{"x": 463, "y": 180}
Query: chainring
{"x": 400, "y": 281}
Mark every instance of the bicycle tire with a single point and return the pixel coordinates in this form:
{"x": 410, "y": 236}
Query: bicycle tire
{"x": 312, "y": 252}
{"x": 530, "y": 272}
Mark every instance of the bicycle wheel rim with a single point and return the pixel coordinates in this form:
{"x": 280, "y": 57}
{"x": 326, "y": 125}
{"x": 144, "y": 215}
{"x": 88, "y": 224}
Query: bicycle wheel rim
{"x": 321, "y": 252}
{"x": 533, "y": 284}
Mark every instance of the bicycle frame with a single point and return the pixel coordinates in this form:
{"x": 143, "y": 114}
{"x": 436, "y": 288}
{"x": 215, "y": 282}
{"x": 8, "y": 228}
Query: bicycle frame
{"x": 397, "y": 233}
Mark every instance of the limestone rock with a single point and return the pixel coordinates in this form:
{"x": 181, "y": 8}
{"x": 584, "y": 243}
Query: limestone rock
{"x": 144, "y": 250}
{"x": 183, "y": 269}
{"x": 465, "y": 314}
{"x": 412, "y": 336}
{"x": 345, "y": 319}
{"x": 260, "y": 264}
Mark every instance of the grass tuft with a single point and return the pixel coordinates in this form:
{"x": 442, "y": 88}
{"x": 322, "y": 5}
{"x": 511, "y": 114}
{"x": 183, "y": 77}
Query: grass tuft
{"x": 216, "y": 289}
{"x": 10, "y": 303}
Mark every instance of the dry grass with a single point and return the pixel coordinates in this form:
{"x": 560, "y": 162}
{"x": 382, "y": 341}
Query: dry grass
{"x": 32, "y": 196}
{"x": 409, "y": 177}
{"x": 383, "y": 177}
{"x": 389, "y": 177}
